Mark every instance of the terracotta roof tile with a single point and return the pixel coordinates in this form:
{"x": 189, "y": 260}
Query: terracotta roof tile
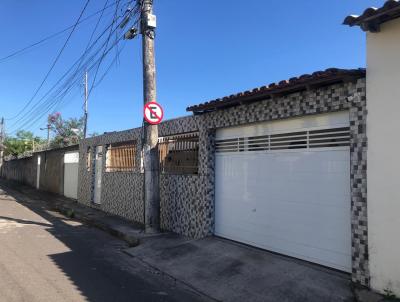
{"x": 372, "y": 17}
{"x": 318, "y": 78}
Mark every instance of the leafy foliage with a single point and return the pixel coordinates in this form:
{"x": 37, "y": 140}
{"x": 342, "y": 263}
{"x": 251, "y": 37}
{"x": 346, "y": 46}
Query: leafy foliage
{"x": 67, "y": 132}
{"x": 22, "y": 142}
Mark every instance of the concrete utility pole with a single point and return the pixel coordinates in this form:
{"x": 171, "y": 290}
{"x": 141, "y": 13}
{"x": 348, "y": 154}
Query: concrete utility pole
{"x": 150, "y": 135}
{"x": 86, "y": 105}
{"x": 2, "y": 134}
{"x": 48, "y": 133}
{"x": 2, "y": 131}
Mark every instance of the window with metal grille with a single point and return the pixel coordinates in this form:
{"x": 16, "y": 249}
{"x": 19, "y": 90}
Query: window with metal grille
{"x": 120, "y": 157}
{"x": 321, "y": 138}
{"x": 179, "y": 153}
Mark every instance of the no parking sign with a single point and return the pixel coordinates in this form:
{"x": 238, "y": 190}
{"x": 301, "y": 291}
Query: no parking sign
{"x": 153, "y": 113}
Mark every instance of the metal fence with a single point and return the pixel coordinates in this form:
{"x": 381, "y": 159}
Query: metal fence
{"x": 179, "y": 153}
{"x": 121, "y": 157}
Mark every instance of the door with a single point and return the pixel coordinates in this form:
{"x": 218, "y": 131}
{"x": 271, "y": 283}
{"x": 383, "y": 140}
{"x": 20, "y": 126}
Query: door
{"x": 284, "y": 186}
{"x": 71, "y": 170}
{"x": 98, "y": 170}
{"x": 38, "y": 172}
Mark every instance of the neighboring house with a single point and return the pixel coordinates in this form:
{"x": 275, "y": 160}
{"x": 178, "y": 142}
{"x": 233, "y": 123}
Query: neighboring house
{"x": 53, "y": 170}
{"x": 383, "y": 126}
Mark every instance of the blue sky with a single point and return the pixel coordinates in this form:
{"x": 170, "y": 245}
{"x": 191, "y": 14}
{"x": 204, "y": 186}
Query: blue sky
{"x": 204, "y": 50}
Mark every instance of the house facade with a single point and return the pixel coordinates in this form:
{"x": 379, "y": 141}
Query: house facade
{"x": 269, "y": 165}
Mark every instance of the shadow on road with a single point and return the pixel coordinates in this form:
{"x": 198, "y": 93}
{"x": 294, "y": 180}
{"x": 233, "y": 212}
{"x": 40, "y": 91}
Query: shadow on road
{"x": 22, "y": 221}
{"x": 95, "y": 263}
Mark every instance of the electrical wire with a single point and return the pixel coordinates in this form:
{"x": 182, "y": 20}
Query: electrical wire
{"x": 94, "y": 31}
{"x": 135, "y": 12}
{"x": 54, "y": 62}
{"x": 57, "y": 101}
{"x": 103, "y": 55}
{"x": 45, "y": 39}
{"x": 64, "y": 90}
{"x": 77, "y": 71}
{"x": 34, "y": 110}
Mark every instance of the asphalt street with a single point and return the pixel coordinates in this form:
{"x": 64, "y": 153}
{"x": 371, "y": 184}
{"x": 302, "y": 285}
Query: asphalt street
{"x": 45, "y": 256}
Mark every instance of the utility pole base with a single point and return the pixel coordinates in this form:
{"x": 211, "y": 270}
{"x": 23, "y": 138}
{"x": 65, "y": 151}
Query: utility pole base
{"x": 151, "y": 230}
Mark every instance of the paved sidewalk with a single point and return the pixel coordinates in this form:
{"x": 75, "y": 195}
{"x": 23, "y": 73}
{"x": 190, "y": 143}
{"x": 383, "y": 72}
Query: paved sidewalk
{"x": 114, "y": 225}
{"x": 229, "y": 271}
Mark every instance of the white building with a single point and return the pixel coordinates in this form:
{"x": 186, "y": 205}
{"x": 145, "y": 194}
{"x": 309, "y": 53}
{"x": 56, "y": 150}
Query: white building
{"x": 383, "y": 127}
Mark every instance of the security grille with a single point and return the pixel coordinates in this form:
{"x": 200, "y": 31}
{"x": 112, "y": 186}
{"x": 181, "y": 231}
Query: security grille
{"x": 89, "y": 159}
{"x": 179, "y": 153}
{"x": 121, "y": 157}
{"x": 322, "y": 138}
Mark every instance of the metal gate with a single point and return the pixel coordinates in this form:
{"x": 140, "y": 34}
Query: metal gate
{"x": 71, "y": 167}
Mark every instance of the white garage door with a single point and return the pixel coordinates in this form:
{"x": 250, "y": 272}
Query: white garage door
{"x": 284, "y": 186}
{"x": 71, "y": 167}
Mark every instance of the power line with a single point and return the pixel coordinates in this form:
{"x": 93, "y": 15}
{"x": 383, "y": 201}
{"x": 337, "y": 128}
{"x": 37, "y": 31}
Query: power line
{"x": 77, "y": 71}
{"x": 57, "y": 98}
{"x": 103, "y": 55}
{"x": 54, "y": 62}
{"x": 63, "y": 91}
{"x": 94, "y": 31}
{"x": 135, "y": 12}
{"x": 57, "y": 101}
{"x": 22, "y": 50}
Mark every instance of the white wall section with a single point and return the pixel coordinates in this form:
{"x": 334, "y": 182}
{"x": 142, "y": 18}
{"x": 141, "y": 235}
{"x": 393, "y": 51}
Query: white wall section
{"x": 71, "y": 170}
{"x": 383, "y": 131}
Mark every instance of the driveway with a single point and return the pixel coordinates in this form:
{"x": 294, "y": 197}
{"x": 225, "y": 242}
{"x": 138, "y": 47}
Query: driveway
{"x": 229, "y": 271}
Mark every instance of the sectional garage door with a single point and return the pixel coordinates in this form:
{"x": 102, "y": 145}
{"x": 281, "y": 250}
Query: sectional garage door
{"x": 284, "y": 186}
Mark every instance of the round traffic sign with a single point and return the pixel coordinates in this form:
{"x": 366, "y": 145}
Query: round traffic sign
{"x": 153, "y": 113}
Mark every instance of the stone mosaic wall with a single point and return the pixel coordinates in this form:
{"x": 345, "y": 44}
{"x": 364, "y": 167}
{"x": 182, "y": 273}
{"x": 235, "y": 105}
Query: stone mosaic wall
{"x": 358, "y": 182}
{"x": 187, "y": 201}
{"x": 121, "y": 192}
{"x": 123, "y": 195}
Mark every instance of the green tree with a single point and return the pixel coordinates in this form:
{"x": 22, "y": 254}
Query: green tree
{"x": 22, "y": 142}
{"x": 67, "y": 132}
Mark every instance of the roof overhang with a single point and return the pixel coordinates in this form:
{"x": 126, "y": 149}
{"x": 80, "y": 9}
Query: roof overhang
{"x": 372, "y": 18}
{"x": 305, "y": 82}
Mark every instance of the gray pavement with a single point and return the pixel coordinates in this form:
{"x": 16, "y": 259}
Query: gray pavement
{"x": 44, "y": 256}
{"x": 229, "y": 271}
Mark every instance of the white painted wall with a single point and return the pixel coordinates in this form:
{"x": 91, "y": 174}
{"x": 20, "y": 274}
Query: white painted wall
{"x": 383, "y": 130}
{"x": 71, "y": 171}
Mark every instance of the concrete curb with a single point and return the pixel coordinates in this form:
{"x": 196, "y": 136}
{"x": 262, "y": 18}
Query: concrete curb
{"x": 92, "y": 220}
